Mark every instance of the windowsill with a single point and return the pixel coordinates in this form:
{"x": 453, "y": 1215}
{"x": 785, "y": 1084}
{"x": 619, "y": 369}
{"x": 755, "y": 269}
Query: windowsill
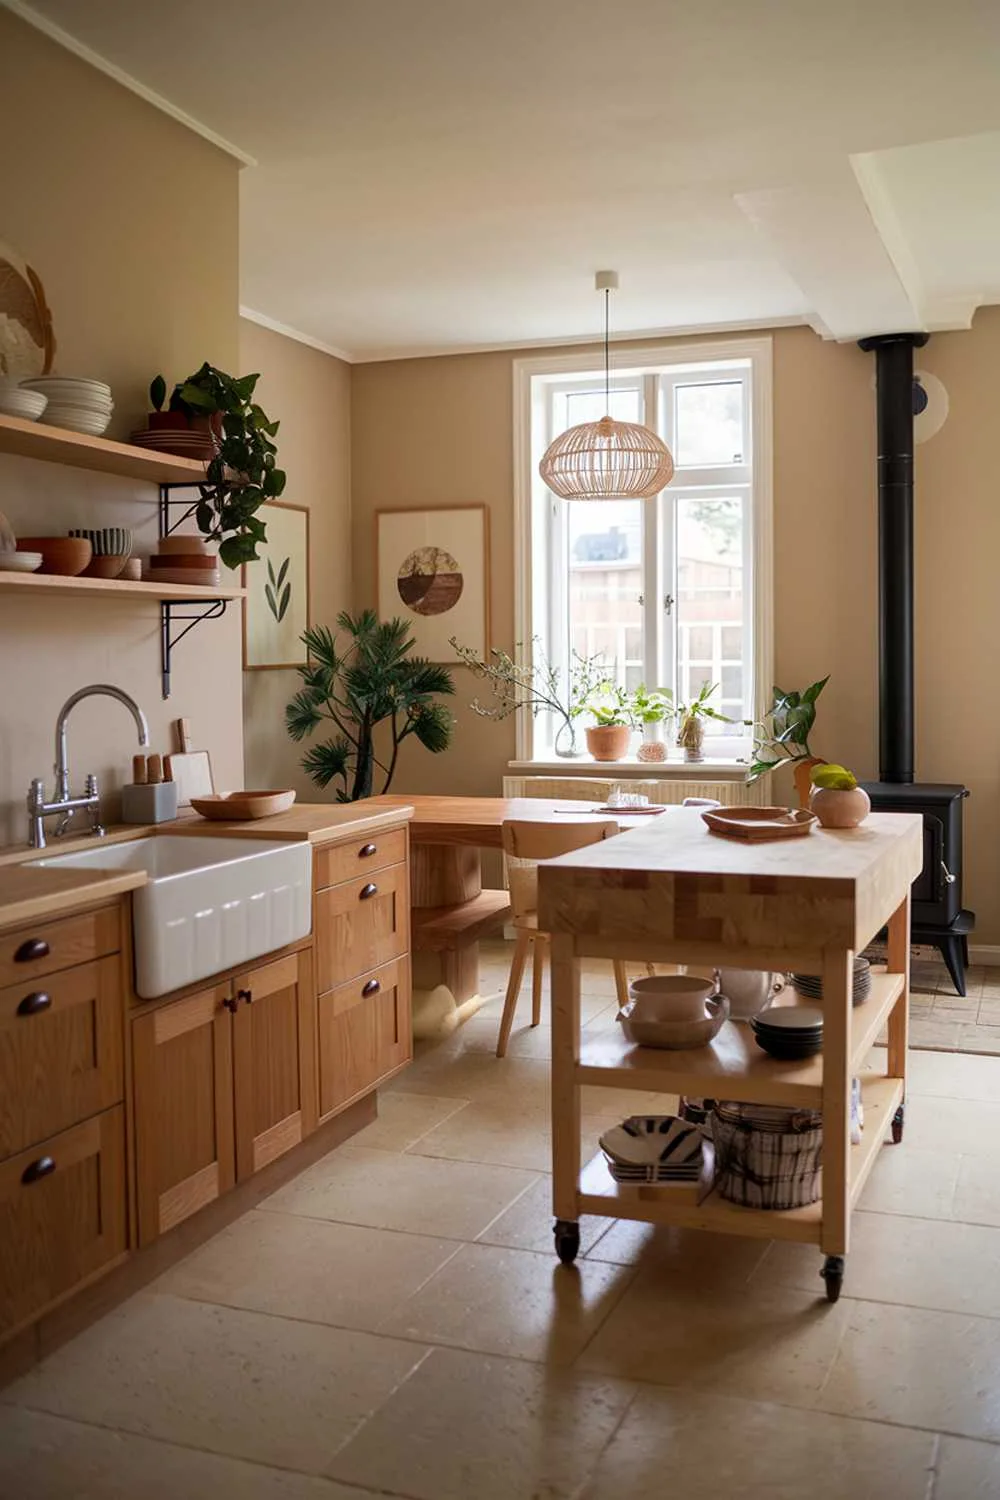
{"x": 653, "y": 770}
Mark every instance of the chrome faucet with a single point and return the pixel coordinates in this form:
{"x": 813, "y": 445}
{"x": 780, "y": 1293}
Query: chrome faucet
{"x": 63, "y": 804}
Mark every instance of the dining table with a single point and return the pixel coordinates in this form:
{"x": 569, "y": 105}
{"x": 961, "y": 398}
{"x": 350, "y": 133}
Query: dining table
{"x": 451, "y": 910}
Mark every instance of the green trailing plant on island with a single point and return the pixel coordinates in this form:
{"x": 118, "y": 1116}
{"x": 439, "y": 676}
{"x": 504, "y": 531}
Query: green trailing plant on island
{"x": 782, "y": 737}
{"x": 373, "y": 679}
{"x": 534, "y": 683}
{"x": 243, "y": 474}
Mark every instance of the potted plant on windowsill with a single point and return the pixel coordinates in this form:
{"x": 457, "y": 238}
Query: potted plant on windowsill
{"x": 691, "y": 735}
{"x": 610, "y": 735}
{"x": 836, "y": 798}
{"x": 783, "y": 737}
{"x": 651, "y": 709}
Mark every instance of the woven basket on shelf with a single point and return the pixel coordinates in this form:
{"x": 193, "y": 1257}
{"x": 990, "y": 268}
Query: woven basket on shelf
{"x": 767, "y": 1158}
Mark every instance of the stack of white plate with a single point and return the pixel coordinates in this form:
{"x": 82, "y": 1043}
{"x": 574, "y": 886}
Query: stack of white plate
{"x": 15, "y": 402}
{"x": 80, "y": 405}
{"x": 654, "y": 1148}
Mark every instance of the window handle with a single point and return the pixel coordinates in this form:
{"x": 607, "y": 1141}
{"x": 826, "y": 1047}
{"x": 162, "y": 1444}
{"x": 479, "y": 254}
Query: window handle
{"x": 668, "y": 603}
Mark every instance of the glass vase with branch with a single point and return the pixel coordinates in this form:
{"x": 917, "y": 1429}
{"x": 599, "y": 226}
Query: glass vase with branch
{"x": 536, "y": 684}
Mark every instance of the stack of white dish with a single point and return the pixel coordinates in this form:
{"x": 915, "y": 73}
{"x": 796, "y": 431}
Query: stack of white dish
{"x": 80, "y": 405}
{"x": 657, "y": 1149}
{"x": 15, "y": 402}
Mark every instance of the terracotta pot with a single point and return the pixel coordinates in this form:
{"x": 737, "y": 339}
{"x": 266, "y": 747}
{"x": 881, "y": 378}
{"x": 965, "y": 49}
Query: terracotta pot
{"x": 844, "y": 809}
{"x": 167, "y": 421}
{"x": 803, "y": 778}
{"x": 609, "y": 742}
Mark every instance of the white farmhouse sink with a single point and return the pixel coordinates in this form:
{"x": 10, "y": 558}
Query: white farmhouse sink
{"x": 208, "y": 904}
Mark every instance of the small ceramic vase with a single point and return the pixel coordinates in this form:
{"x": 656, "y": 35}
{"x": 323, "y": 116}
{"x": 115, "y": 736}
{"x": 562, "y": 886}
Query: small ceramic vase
{"x": 844, "y": 809}
{"x": 652, "y": 750}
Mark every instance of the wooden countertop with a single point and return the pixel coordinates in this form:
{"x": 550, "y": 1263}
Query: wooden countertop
{"x": 674, "y": 880}
{"x": 27, "y": 895}
{"x": 478, "y": 821}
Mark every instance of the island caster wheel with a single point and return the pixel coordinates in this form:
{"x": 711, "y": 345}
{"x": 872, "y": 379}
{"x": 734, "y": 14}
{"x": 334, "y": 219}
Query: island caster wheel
{"x": 567, "y": 1236}
{"x": 833, "y": 1274}
{"x": 897, "y": 1126}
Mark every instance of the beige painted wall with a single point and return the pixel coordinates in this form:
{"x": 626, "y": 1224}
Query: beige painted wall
{"x": 131, "y": 221}
{"x": 310, "y": 393}
{"x": 439, "y": 431}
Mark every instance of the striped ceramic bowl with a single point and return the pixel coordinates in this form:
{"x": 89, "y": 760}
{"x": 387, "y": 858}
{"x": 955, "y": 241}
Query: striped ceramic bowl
{"x": 108, "y": 541}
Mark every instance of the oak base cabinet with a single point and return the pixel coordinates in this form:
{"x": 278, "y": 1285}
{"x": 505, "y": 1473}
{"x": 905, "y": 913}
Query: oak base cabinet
{"x": 62, "y": 1215}
{"x": 274, "y": 1060}
{"x": 365, "y": 1034}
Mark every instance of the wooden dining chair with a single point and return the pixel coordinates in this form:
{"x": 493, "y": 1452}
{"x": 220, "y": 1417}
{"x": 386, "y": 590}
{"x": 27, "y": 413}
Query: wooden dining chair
{"x": 526, "y": 844}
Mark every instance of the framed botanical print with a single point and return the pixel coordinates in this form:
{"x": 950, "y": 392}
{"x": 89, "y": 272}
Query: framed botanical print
{"x": 433, "y": 568}
{"x": 276, "y": 608}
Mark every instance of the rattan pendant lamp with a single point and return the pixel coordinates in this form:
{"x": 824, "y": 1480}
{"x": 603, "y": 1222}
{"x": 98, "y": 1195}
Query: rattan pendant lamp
{"x": 607, "y": 460}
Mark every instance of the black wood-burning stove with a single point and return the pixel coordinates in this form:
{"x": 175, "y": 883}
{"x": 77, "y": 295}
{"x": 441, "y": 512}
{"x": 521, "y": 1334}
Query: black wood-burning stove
{"x": 937, "y": 914}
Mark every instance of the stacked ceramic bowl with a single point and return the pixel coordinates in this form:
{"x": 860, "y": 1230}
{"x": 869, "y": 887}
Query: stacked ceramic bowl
{"x": 184, "y": 560}
{"x": 790, "y": 1033}
{"x": 17, "y": 402}
{"x": 675, "y": 1011}
{"x": 810, "y": 986}
{"x": 111, "y": 548}
{"x": 654, "y": 1148}
{"x": 79, "y": 405}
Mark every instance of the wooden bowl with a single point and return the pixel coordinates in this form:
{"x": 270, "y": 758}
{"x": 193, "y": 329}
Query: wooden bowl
{"x": 65, "y": 556}
{"x": 186, "y": 544}
{"x": 106, "y": 567}
{"x": 239, "y": 806}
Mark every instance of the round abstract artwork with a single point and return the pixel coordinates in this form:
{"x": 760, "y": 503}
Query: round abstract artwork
{"x": 430, "y": 581}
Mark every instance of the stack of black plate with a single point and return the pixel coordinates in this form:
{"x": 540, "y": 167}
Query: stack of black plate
{"x": 791, "y": 1032}
{"x": 810, "y": 986}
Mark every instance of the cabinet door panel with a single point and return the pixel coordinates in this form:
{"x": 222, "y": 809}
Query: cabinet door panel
{"x": 361, "y": 925}
{"x": 61, "y": 1052}
{"x": 183, "y": 1083}
{"x": 364, "y": 1034}
{"x": 274, "y": 1060}
{"x": 62, "y": 1215}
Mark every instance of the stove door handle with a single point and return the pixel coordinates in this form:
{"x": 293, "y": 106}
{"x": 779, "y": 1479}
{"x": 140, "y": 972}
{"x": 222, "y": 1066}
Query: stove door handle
{"x": 949, "y": 878}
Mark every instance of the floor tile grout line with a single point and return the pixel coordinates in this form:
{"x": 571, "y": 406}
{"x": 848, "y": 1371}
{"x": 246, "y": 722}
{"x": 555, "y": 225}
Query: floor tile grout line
{"x": 934, "y": 1472}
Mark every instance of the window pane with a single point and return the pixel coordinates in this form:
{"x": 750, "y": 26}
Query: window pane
{"x": 710, "y": 602}
{"x": 708, "y": 423}
{"x": 591, "y": 406}
{"x": 605, "y": 582}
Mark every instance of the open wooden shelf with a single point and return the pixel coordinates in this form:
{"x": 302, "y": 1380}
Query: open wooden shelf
{"x": 601, "y": 1194}
{"x": 56, "y": 445}
{"x": 732, "y": 1066}
{"x": 442, "y": 929}
{"x": 50, "y": 583}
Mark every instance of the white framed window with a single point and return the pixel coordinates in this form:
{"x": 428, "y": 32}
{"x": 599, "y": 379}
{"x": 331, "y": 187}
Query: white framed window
{"x": 672, "y": 592}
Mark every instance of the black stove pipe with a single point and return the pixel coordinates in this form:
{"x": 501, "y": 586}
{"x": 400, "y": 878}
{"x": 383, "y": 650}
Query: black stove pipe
{"x": 894, "y": 377}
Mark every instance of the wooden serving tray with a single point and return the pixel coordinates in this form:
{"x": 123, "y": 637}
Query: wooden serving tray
{"x": 758, "y": 824}
{"x": 239, "y": 806}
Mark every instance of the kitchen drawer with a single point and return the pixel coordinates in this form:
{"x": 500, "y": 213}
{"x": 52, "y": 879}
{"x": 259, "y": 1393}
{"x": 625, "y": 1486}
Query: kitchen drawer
{"x": 360, "y": 925}
{"x": 365, "y": 1034}
{"x": 338, "y": 862}
{"x": 45, "y": 947}
{"x": 62, "y": 1215}
{"x": 61, "y": 1051}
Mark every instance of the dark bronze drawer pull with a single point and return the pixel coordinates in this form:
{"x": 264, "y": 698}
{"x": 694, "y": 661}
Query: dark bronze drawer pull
{"x": 231, "y": 1002}
{"x": 371, "y": 988}
{"x": 367, "y": 891}
{"x": 31, "y": 949}
{"x": 36, "y": 1170}
{"x": 246, "y": 995}
{"x": 33, "y": 1003}
{"x": 367, "y": 850}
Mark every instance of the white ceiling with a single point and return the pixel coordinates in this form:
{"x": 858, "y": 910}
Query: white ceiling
{"x": 439, "y": 175}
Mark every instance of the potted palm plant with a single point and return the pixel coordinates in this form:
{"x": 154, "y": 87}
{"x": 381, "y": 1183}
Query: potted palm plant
{"x": 371, "y": 680}
{"x": 610, "y": 735}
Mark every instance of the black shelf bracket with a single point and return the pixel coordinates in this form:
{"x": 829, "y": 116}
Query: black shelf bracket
{"x": 176, "y": 612}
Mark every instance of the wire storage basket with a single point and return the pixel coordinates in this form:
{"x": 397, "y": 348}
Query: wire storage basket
{"x": 767, "y": 1157}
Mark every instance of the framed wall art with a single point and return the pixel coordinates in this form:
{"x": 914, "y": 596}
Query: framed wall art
{"x": 276, "y": 608}
{"x": 432, "y": 569}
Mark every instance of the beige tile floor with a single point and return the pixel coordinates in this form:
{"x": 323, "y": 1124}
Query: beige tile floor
{"x": 393, "y": 1323}
{"x": 944, "y": 1021}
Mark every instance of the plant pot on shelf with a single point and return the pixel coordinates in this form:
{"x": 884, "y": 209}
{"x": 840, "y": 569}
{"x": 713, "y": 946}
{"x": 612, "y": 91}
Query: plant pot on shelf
{"x": 609, "y": 741}
{"x": 840, "y": 809}
{"x": 167, "y": 421}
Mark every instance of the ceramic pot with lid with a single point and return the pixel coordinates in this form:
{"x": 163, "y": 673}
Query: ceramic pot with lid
{"x": 750, "y": 991}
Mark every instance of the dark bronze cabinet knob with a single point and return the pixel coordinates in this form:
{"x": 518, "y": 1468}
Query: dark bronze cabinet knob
{"x": 367, "y": 891}
{"x": 32, "y": 1004}
{"x": 30, "y": 950}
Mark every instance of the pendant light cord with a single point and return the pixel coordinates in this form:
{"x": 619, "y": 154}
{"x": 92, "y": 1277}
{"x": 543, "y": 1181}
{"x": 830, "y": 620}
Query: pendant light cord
{"x": 607, "y": 364}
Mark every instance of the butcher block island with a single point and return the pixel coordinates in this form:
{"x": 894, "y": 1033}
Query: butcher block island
{"x": 124, "y": 1119}
{"x": 673, "y": 892}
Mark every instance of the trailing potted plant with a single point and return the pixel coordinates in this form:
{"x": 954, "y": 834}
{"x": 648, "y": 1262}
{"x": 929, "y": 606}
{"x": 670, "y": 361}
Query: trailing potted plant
{"x": 610, "y": 735}
{"x": 836, "y": 798}
{"x": 691, "y": 734}
{"x": 535, "y": 684}
{"x": 372, "y": 680}
{"x": 650, "y": 709}
{"x": 783, "y": 737}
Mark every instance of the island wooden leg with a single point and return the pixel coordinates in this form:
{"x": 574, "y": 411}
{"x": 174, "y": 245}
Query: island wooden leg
{"x": 899, "y": 1016}
{"x": 565, "y": 1095}
{"x": 838, "y": 975}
